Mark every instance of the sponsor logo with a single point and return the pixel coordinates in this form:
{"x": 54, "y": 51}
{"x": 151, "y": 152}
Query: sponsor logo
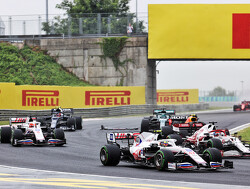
{"x": 241, "y": 33}
{"x": 108, "y": 98}
{"x": 172, "y": 97}
{"x": 40, "y": 98}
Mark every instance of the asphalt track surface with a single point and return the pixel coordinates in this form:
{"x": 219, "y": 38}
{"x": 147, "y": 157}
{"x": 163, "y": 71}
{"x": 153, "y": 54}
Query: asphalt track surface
{"x": 81, "y": 154}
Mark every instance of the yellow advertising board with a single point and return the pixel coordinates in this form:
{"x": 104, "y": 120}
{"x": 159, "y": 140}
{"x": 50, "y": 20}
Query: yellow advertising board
{"x": 178, "y": 96}
{"x": 34, "y": 97}
{"x": 199, "y": 31}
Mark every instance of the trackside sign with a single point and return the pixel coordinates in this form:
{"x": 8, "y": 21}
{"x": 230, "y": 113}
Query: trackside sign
{"x": 199, "y": 31}
{"x": 109, "y": 98}
{"x": 29, "y": 97}
{"x": 40, "y": 98}
{"x": 178, "y": 96}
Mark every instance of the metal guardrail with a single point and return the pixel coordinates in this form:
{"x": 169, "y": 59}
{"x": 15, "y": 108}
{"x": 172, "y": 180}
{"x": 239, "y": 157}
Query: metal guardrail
{"x": 106, "y": 112}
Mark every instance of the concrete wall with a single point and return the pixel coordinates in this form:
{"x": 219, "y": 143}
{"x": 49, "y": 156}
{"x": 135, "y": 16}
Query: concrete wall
{"x": 82, "y": 57}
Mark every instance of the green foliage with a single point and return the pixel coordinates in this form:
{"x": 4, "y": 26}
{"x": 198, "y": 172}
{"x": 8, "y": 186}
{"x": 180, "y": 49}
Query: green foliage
{"x": 111, "y": 48}
{"x": 84, "y": 13}
{"x": 33, "y": 67}
{"x": 219, "y": 91}
{"x": 245, "y": 134}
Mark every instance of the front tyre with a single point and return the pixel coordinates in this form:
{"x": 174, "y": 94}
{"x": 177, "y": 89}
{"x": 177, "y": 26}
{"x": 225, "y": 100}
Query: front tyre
{"x": 110, "y": 155}
{"x": 59, "y": 134}
{"x": 162, "y": 158}
{"x": 177, "y": 137}
{"x": 17, "y": 134}
{"x": 212, "y": 155}
{"x": 215, "y": 143}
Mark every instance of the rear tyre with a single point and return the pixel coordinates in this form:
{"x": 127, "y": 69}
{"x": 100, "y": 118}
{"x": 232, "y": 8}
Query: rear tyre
{"x": 71, "y": 123}
{"x": 178, "y": 138}
{"x": 162, "y": 158}
{"x": 110, "y": 155}
{"x": 145, "y": 125}
{"x": 167, "y": 130}
{"x": 17, "y": 134}
{"x": 215, "y": 143}
{"x": 5, "y": 134}
{"x": 212, "y": 155}
{"x": 78, "y": 123}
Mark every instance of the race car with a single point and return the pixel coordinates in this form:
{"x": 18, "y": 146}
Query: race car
{"x": 61, "y": 118}
{"x": 27, "y": 131}
{"x": 160, "y": 118}
{"x": 185, "y": 125}
{"x": 210, "y": 136}
{"x": 245, "y": 105}
{"x": 149, "y": 149}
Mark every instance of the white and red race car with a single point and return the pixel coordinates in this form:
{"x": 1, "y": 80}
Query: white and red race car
{"x": 27, "y": 131}
{"x": 149, "y": 149}
{"x": 210, "y": 136}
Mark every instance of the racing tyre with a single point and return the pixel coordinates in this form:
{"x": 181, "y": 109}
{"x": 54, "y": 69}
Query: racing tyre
{"x": 41, "y": 120}
{"x": 167, "y": 130}
{"x": 162, "y": 158}
{"x": 235, "y": 107}
{"x": 59, "y": 134}
{"x": 145, "y": 125}
{"x": 214, "y": 143}
{"x": 184, "y": 133}
{"x": 78, "y": 123}
{"x": 110, "y": 155}
{"x": 71, "y": 123}
{"x": 212, "y": 155}
{"x": 17, "y": 134}
{"x": 178, "y": 138}
{"x": 5, "y": 134}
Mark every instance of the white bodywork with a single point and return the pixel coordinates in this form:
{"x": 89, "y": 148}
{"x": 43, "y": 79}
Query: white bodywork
{"x": 226, "y": 140}
{"x": 146, "y": 140}
{"x": 29, "y": 126}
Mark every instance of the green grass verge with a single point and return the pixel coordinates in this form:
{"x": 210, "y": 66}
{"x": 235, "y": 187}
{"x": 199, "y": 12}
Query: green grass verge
{"x": 245, "y": 134}
{"x": 33, "y": 66}
{"x": 4, "y": 122}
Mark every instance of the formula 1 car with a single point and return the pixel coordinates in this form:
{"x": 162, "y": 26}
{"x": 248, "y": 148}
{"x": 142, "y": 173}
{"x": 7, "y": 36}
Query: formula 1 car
{"x": 160, "y": 118}
{"x": 245, "y": 105}
{"x": 61, "y": 118}
{"x": 171, "y": 123}
{"x": 210, "y": 136}
{"x": 27, "y": 131}
{"x": 149, "y": 149}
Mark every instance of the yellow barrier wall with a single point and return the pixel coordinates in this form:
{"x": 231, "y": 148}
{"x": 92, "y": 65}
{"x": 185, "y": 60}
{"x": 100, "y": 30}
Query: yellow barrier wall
{"x": 34, "y": 97}
{"x": 199, "y": 31}
{"x": 178, "y": 96}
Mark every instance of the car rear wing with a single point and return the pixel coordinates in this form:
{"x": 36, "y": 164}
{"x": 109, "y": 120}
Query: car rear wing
{"x": 188, "y": 125}
{"x": 169, "y": 112}
{"x": 179, "y": 118}
{"x": 21, "y": 119}
{"x": 64, "y": 110}
{"x": 113, "y": 137}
